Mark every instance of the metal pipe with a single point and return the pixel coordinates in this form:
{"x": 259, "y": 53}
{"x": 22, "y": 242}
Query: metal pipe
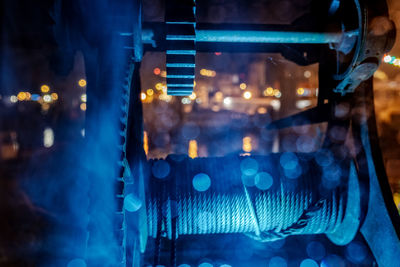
{"x": 256, "y": 36}
{"x": 238, "y": 36}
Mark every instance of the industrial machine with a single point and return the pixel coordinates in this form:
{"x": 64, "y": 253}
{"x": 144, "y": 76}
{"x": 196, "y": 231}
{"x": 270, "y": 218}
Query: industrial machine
{"x": 339, "y": 190}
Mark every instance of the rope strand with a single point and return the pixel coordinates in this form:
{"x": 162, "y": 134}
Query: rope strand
{"x": 290, "y": 206}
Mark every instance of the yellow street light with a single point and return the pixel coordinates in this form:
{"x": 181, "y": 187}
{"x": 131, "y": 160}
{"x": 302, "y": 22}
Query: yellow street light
{"x": 150, "y": 92}
{"x": 247, "y": 95}
{"x": 83, "y": 98}
{"x": 193, "y": 96}
{"x": 54, "y": 96}
{"x": 21, "y": 96}
{"x": 82, "y": 82}
{"x": 246, "y": 144}
{"x": 44, "y": 88}
{"x": 145, "y": 143}
{"x": 47, "y": 98}
{"x": 219, "y": 96}
{"x": 83, "y": 106}
{"x": 192, "y": 151}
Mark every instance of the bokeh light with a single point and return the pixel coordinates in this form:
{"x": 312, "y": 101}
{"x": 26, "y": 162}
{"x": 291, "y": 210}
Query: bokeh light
{"x": 356, "y": 252}
{"x": 160, "y": 169}
{"x": 13, "y": 99}
{"x": 247, "y": 95}
{"x": 324, "y": 157}
{"x": 21, "y": 96}
{"x": 157, "y": 71}
{"x": 45, "y": 88}
{"x": 316, "y": 250}
{"x": 263, "y": 180}
{"x": 249, "y": 166}
{"x": 192, "y": 96}
{"x": 309, "y": 263}
{"x": 246, "y": 144}
{"x": 248, "y": 180}
{"x": 289, "y": 161}
{"x": 77, "y": 263}
{"x": 333, "y": 260}
{"x": 190, "y": 131}
{"x": 47, "y": 98}
{"x": 150, "y": 92}
{"x": 82, "y": 82}
{"x": 54, "y": 96}
{"x": 193, "y": 149}
{"x": 82, "y": 106}
{"x": 205, "y": 264}
{"x": 201, "y": 182}
{"x": 277, "y": 262}
{"x": 300, "y": 91}
{"x": 48, "y": 137}
{"x": 132, "y": 203}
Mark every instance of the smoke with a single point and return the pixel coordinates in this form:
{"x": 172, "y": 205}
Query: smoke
{"x": 60, "y": 205}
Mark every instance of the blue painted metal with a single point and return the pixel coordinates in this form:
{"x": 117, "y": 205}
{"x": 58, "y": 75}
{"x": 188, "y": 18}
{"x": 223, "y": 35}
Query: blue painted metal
{"x": 278, "y": 37}
{"x": 180, "y": 22}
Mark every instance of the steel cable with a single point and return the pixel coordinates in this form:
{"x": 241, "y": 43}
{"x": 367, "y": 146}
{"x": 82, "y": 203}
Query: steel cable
{"x": 289, "y": 206}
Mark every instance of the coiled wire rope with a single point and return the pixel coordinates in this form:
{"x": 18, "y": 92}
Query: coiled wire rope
{"x": 291, "y": 205}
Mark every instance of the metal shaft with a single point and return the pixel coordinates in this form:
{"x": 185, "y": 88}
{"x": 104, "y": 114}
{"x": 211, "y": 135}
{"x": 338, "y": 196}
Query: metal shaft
{"x": 237, "y": 36}
{"x": 255, "y": 36}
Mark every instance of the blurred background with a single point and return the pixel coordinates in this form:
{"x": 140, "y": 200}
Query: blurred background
{"x": 42, "y": 111}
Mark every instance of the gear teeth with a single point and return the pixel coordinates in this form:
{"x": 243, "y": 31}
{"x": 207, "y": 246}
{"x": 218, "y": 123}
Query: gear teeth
{"x": 124, "y": 119}
{"x": 124, "y": 108}
{"x": 181, "y": 46}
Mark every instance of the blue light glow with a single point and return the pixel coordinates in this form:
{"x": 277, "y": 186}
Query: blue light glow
{"x": 289, "y": 161}
{"x": 293, "y": 173}
{"x": 205, "y": 264}
{"x": 160, "y": 169}
{"x": 333, "y": 261}
{"x": 332, "y": 172}
{"x": 356, "y": 252}
{"x": 306, "y": 144}
{"x": 35, "y": 97}
{"x": 77, "y": 263}
{"x": 316, "y": 250}
{"x": 249, "y": 166}
{"x": 309, "y": 263}
{"x": 324, "y": 158}
{"x": 248, "y": 180}
{"x": 277, "y": 262}
{"x": 132, "y": 203}
{"x": 190, "y": 131}
{"x": 201, "y": 182}
{"x": 263, "y": 180}
{"x": 278, "y": 244}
